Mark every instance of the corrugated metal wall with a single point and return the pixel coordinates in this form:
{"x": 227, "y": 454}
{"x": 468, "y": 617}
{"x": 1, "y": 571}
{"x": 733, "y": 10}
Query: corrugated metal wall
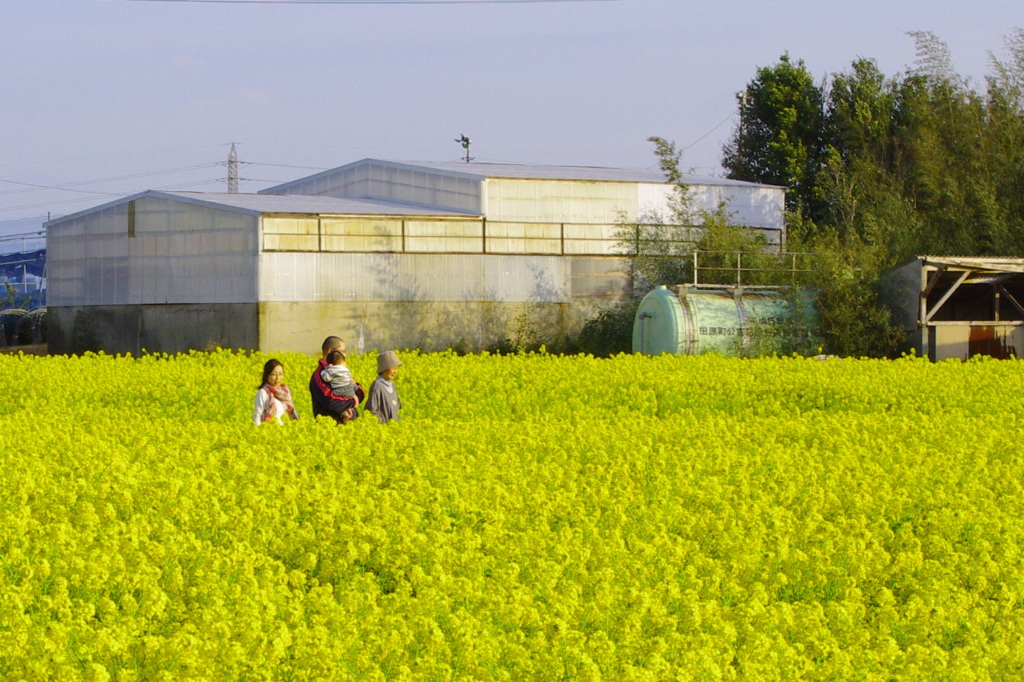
{"x": 430, "y": 235}
{"x": 152, "y": 251}
{"x": 547, "y": 201}
{"x": 762, "y": 207}
{"x": 394, "y": 183}
{"x": 414, "y": 277}
{"x": 547, "y": 249}
{"x": 559, "y": 201}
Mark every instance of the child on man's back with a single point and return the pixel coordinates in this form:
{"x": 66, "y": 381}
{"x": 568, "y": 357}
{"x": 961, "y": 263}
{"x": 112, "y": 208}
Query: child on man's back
{"x": 338, "y": 376}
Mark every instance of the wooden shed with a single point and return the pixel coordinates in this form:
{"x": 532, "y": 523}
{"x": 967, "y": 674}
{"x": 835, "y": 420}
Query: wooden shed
{"x": 959, "y": 307}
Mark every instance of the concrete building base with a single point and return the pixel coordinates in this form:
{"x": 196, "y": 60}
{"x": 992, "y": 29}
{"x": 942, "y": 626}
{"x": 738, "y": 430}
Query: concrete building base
{"x": 301, "y": 326}
{"x": 169, "y": 328}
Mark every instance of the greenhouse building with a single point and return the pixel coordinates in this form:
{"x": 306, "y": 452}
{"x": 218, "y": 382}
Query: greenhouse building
{"x": 385, "y": 254}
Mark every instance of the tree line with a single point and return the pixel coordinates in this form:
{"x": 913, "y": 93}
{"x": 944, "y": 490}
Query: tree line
{"x": 921, "y": 162}
{"x": 878, "y": 169}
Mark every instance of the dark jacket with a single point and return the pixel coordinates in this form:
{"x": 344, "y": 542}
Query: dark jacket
{"x": 325, "y": 403}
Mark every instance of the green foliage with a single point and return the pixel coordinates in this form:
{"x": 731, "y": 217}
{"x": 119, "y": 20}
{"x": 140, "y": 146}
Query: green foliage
{"x": 660, "y": 250}
{"x": 654, "y": 253}
{"x": 922, "y": 162}
{"x": 11, "y": 298}
{"x": 880, "y": 169}
{"x": 525, "y": 336}
{"x": 854, "y": 320}
{"x": 656, "y": 248}
{"x": 663, "y": 250}
{"x": 732, "y": 255}
{"x": 780, "y": 137}
{"x": 610, "y": 331}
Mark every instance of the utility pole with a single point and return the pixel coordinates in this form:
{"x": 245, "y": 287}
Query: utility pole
{"x": 741, "y": 140}
{"x": 232, "y": 170}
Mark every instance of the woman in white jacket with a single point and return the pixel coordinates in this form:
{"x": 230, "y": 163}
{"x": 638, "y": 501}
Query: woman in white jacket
{"x": 274, "y": 399}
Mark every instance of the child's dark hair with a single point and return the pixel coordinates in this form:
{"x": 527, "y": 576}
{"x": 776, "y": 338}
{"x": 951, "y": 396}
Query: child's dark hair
{"x": 334, "y": 357}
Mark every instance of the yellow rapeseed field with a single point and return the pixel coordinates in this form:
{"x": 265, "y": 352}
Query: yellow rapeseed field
{"x": 531, "y": 517}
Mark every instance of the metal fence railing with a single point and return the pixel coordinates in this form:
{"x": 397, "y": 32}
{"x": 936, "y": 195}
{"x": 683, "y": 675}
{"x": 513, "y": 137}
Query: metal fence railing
{"x": 750, "y": 268}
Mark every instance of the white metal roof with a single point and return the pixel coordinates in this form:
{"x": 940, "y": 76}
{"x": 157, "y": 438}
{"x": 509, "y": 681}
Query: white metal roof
{"x": 298, "y": 203}
{"x": 258, "y": 204}
{"x": 544, "y": 172}
{"x": 988, "y": 263}
{"x": 483, "y": 171}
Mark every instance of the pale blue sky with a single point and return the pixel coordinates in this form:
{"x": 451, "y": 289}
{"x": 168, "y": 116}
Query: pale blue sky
{"x": 104, "y": 98}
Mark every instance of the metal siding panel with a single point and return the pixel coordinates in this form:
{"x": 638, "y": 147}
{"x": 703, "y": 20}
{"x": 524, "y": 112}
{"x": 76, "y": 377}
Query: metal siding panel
{"x": 413, "y": 277}
{"x": 559, "y": 200}
{"x": 196, "y": 263}
{"x": 120, "y": 280}
{"x": 654, "y": 201}
{"x": 952, "y": 342}
{"x": 290, "y": 242}
{"x": 759, "y": 207}
{"x": 590, "y": 247}
{"x": 290, "y": 225}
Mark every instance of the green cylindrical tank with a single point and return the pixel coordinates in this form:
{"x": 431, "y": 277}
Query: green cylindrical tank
{"x": 734, "y": 321}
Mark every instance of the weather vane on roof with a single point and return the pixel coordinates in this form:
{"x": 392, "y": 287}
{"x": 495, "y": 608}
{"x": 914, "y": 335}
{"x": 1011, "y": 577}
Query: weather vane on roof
{"x": 465, "y": 142}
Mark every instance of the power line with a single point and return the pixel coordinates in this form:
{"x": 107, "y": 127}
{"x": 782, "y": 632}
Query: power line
{"x": 283, "y": 165}
{"x": 67, "y": 185}
{"x": 380, "y": 2}
{"x": 46, "y": 204}
{"x": 106, "y": 195}
{"x": 722, "y": 123}
{"x": 29, "y": 187}
{"x": 94, "y": 157}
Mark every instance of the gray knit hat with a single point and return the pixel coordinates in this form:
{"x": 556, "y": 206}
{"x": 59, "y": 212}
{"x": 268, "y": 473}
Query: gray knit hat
{"x": 387, "y": 360}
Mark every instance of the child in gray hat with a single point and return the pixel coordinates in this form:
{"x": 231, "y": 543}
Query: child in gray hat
{"x": 383, "y": 400}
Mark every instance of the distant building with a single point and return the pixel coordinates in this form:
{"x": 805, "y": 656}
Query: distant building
{"x": 22, "y": 263}
{"x": 23, "y": 277}
{"x": 956, "y": 307}
{"x": 385, "y": 254}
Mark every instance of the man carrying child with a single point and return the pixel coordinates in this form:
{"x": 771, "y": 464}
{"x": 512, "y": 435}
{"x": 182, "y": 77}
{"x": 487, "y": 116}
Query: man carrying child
{"x": 341, "y": 408}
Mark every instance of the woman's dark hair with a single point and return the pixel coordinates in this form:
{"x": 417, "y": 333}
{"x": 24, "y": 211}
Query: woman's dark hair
{"x": 268, "y": 368}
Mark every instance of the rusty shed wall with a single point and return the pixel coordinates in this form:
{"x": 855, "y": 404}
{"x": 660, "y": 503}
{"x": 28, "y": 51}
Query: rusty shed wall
{"x": 966, "y": 325}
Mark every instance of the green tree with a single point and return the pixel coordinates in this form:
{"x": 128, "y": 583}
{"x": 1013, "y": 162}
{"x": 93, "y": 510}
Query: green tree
{"x": 862, "y": 176}
{"x": 924, "y": 162}
{"x": 1005, "y": 139}
{"x": 780, "y": 136}
{"x": 921, "y": 162}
